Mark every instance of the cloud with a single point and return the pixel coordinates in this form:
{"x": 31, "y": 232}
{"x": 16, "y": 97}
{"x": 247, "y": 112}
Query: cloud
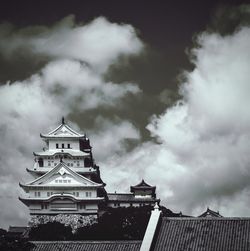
{"x": 71, "y": 82}
{"x": 97, "y": 43}
{"x": 201, "y": 157}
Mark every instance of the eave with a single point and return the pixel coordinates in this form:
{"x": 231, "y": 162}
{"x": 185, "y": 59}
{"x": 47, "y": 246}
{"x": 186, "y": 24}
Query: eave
{"x": 40, "y": 172}
{"x": 60, "y": 152}
{"x": 67, "y": 187}
{"x": 55, "y": 196}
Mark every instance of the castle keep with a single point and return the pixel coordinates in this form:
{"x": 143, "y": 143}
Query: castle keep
{"x": 67, "y": 180}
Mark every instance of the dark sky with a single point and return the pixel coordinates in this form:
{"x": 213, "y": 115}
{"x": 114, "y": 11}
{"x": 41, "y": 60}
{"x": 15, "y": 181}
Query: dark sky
{"x": 167, "y": 27}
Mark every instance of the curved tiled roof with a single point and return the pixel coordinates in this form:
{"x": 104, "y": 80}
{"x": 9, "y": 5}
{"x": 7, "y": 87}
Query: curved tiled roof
{"x": 63, "y": 131}
{"x": 203, "y": 234}
{"x": 127, "y": 197}
{"x": 86, "y": 245}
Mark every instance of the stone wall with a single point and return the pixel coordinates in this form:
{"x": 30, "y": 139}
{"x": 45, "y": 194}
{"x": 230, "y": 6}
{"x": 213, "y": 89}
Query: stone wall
{"x": 75, "y": 221}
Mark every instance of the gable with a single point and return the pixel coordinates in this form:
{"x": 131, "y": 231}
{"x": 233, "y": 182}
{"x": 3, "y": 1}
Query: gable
{"x": 62, "y": 175}
{"x": 63, "y": 130}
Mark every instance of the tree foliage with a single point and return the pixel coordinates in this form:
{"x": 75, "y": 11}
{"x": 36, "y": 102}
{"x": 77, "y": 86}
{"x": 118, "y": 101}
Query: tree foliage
{"x": 115, "y": 224}
{"x": 9, "y": 243}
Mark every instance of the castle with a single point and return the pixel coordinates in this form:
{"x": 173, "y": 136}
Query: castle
{"x": 67, "y": 180}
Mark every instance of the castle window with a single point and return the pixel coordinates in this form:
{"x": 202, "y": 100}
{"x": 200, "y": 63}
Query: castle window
{"x": 49, "y": 163}
{"x": 82, "y": 206}
{"x": 62, "y": 145}
{"x": 68, "y": 145}
{"x": 56, "y": 181}
{"x": 40, "y": 162}
{"x": 76, "y": 194}
{"x": 37, "y": 194}
{"x": 67, "y": 164}
{"x": 71, "y": 164}
{"x": 56, "y": 145}
{"x": 60, "y": 181}
{"x": 54, "y": 164}
{"x": 88, "y": 194}
{"x": 48, "y": 193}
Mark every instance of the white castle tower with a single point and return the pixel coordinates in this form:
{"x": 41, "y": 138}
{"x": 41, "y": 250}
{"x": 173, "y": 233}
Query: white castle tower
{"x": 66, "y": 180}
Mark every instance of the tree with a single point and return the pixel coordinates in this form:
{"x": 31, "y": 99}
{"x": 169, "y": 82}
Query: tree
{"x": 51, "y": 231}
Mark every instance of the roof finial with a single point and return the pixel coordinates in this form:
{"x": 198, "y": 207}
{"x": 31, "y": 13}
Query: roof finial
{"x": 63, "y": 120}
{"x": 156, "y": 206}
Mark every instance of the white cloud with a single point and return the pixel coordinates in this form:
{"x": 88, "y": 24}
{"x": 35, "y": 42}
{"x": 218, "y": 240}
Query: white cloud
{"x": 98, "y": 43}
{"x": 202, "y": 157}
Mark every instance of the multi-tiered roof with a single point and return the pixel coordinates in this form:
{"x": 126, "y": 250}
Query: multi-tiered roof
{"x": 66, "y": 177}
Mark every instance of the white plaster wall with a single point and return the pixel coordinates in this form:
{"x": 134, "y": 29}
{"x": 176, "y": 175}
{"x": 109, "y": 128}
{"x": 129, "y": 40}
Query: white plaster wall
{"x": 82, "y": 193}
{"x": 73, "y": 162}
{"x": 91, "y": 206}
{"x": 74, "y": 144}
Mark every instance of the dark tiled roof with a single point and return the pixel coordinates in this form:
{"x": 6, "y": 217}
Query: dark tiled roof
{"x": 16, "y": 229}
{"x": 208, "y": 234}
{"x": 210, "y": 213}
{"x": 127, "y": 197}
{"x": 143, "y": 185}
{"x": 86, "y": 245}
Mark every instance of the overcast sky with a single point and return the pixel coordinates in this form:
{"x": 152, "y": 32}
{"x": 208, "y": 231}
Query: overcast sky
{"x": 161, "y": 89}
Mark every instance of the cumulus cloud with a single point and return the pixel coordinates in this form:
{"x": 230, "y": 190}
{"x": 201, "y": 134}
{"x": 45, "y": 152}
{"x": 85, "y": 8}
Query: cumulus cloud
{"x": 71, "y": 82}
{"x": 202, "y": 155}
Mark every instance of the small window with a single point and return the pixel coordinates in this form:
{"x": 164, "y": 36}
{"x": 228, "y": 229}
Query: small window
{"x": 56, "y": 181}
{"x": 68, "y": 164}
{"x": 71, "y": 164}
{"x": 60, "y": 181}
{"x": 88, "y": 194}
{"x": 48, "y": 193}
{"x": 49, "y": 163}
{"x": 62, "y": 145}
{"x": 57, "y": 145}
{"x": 69, "y": 181}
{"x": 54, "y": 164}
{"x": 64, "y": 181}
{"x": 68, "y": 145}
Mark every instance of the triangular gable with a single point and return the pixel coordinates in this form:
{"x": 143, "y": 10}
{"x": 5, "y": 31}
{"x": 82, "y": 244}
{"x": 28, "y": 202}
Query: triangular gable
{"x": 210, "y": 213}
{"x": 62, "y": 170}
{"x": 63, "y": 130}
{"x": 142, "y": 184}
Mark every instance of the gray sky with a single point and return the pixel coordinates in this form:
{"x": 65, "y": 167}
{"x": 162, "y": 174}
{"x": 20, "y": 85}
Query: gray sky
{"x": 190, "y": 137}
